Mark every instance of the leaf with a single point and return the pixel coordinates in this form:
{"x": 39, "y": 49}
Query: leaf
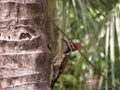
{"x": 70, "y": 79}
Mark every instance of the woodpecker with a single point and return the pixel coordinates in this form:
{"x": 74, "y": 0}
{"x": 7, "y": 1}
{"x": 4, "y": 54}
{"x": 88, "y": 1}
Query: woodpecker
{"x": 61, "y": 59}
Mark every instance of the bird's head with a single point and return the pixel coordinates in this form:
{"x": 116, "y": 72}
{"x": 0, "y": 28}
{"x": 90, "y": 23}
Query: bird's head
{"x": 71, "y": 46}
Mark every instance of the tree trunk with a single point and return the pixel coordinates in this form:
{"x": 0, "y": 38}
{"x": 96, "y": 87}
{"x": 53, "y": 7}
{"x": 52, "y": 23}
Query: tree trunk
{"x": 24, "y": 56}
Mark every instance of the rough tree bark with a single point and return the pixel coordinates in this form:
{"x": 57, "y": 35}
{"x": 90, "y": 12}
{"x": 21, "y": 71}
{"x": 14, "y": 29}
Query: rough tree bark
{"x": 24, "y": 56}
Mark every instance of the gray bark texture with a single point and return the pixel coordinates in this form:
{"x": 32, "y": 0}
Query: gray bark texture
{"x": 24, "y": 56}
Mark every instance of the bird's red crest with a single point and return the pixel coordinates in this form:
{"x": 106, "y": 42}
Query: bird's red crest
{"x": 76, "y": 46}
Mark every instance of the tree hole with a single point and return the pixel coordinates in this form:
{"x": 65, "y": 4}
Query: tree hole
{"x": 25, "y": 36}
{"x": 8, "y": 37}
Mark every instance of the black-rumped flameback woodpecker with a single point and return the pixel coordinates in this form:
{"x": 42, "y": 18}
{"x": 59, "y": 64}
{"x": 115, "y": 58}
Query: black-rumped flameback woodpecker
{"x": 61, "y": 59}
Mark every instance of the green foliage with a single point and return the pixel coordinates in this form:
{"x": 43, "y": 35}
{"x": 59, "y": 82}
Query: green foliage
{"x": 94, "y": 24}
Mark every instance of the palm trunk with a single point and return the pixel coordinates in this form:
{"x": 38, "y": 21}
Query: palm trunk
{"x": 24, "y": 56}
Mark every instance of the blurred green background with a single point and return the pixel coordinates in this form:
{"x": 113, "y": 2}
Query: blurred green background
{"x": 94, "y": 24}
